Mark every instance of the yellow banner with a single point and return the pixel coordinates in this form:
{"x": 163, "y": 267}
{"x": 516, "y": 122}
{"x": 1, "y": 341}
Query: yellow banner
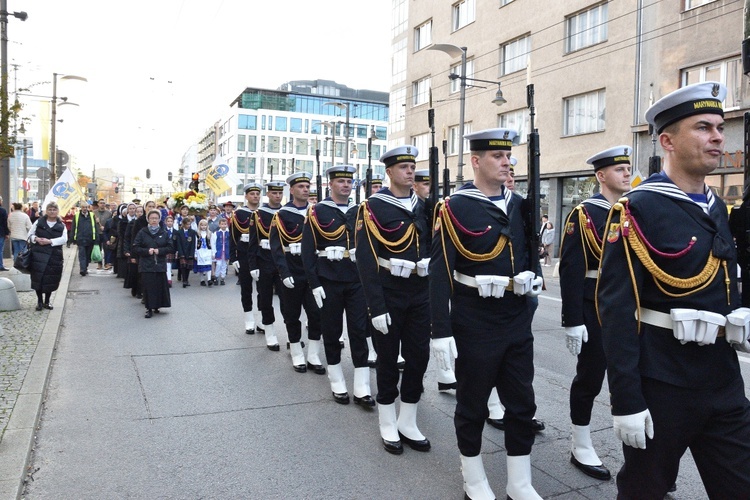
{"x": 65, "y": 192}
{"x": 216, "y": 179}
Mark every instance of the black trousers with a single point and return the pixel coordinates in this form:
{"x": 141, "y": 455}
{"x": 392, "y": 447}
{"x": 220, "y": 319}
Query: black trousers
{"x": 590, "y": 370}
{"x": 269, "y": 278}
{"x": 714, "y": 423}
{"x": 246, "y": 286}
{"x": 84, "y": 255}
{"x": 409, "y": 331}
{"x": 502, "y": 358}
{"x": 291, "y": 308}
{"x": 344, "y": 297}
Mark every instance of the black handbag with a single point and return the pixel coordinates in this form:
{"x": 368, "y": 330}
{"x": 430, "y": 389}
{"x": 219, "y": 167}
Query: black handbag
{"x": 23, "y": 260}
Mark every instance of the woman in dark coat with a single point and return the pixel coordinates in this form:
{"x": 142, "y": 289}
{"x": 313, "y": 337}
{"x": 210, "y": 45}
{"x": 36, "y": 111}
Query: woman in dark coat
{"x": 152, "y": 244}
{"x": 133, "y": 279}
{"x": 48, "y": 234}
{"x": 122, "y": 225}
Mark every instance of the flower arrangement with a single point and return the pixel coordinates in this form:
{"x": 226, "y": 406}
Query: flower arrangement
{"x": 196, "y": 202}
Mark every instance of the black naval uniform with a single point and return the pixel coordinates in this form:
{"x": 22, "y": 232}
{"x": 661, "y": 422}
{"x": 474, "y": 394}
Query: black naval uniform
{"x": 269, "y": 275}
{"x": 473, "y": 236}
{"x": 695, "y": 394}
{"x": 243, "y": 247}
{"x": 580, "y": 251}
{"x": 286, "y": 228}
{"x": 329, "y": 224}
{"x": 387, "y": 229}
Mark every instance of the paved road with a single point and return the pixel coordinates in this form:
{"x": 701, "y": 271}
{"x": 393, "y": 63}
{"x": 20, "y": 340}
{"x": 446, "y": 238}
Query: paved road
{"x": 185, "y": 405}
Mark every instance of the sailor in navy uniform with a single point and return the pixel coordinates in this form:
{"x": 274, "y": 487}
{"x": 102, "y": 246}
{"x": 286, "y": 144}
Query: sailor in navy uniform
{"x": 580, "y": 251}
{"x": 269, "y": 276}
{"x": 313, "y": 195}
{"x": 670, "y": 312}
{"x": 392, "y": 258}
{"x": 286, "y": 249}
{"x": 480, "y": 288}
{"x": 516, "y": 207}
{"x": 422, "y": 183}
{"x": 377, "y": 183}
{"x": 328, "y": 255}
{"x": 243, "y": 253}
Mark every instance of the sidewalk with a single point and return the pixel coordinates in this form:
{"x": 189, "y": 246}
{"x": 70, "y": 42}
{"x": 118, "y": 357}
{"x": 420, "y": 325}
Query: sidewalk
{"x": 26, "y": 348}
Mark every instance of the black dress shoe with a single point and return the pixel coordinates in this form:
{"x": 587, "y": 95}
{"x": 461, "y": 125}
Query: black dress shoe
{"x": 302, "y": 343}
{"x": 447, "y": 387}
{"x": 418, "y": 445}
{"x": 260, "y": 330}
{"x": 184, "y": 285}
{"x": 318, "y": 369}
{"x": 299, "y": 368}
{"x": 497, "y": 423}
{"x": 364, "y": 401}
{"x": 149, "y": 313}
{"x": 372, "y": 364}
{"x": 596, "y": 471}
{"x": 39, "y": 307}
{"x": 672, "y": 488}
{"x": 156, "y": 311}
{"x": 47, "y": 306}
{"x": 341, "y": 398}
{"x": 393, "y": 447}
{"x": 274, "y": 347}
{"x": 250, "y": 331}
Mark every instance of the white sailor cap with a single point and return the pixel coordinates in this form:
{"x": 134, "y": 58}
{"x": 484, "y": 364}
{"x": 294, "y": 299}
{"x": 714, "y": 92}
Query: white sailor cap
{"x": 611, "y": 156}
{"x": 298, "y": 177}
{"x": 377, "y": 178}
{"x": 341, "y": 172}
{"x": 422, "y": 175}
{"x": 313, "y": 191}
{"x": 252, "y": 186}
{"x": 399, "y": 155}
{"x": 492, "y": 139}
{"x": 275, "y": 186}
{"x": 696, "y": 99}
{"x": 513, "y": 163}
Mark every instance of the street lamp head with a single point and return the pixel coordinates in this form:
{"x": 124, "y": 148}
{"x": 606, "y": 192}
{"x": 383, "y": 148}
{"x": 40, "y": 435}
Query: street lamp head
{"x": 21, "y": 15}
{"x": 499, "y": 100}
{"x": 448, "y": 48}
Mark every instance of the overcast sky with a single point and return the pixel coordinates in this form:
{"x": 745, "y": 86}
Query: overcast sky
{"x": 161, "y": 71}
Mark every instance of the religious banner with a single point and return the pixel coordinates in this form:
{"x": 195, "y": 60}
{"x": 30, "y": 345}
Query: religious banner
{"x": 65, "y": 192}
{"x": 219, "y": 179}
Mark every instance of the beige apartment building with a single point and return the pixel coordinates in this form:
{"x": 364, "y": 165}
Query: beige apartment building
{"x": 595, "y": 68}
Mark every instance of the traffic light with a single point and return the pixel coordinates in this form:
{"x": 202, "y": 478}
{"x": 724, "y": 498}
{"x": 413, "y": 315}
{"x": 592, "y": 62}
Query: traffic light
{"x": 150, "y": 190}
{"x": 91, "y": 191}
{"x": 194, "y": 184}
{"x": 117, "y": 189}
{"x": 135, "y": 190}
{"x": 148, "y": 173}
{"x": 169, "y": 176}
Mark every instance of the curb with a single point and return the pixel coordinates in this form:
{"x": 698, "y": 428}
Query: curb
{"x": 18, "y": 439}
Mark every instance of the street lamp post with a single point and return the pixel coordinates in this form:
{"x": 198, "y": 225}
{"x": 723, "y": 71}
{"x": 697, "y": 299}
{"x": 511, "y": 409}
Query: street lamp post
{"x": 52, "y": 145}
{"x": 455, "y": 51}
{"x": 343, "y": 105}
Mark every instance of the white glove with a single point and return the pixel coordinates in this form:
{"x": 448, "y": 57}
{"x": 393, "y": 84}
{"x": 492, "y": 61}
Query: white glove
{"x": 575, "y": 336}
{"x": 633, "y": 429}
{"x": 442, "y": 350}
{"x": 255, "y": 274}
{"x": 288, "y": 282}
{"x": 319, "y": 295}
{"x": 236, "y": 265}
{"x": 536, "y": 287}
{"x": 381, "y": 323}
{"x": 351, "y": 254}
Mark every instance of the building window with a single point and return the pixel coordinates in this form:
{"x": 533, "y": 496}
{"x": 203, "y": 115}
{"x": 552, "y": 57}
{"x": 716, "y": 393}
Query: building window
{"x": 691, "y": 4}
{"x": 515, "y": 55}
{"x": 248, "y": 122}
{"x": 463, "y": 13}
{"x": 453, "y": 138}
{"x": 420, "y": 91}
{"x": 281, "y": 124}
{"x": 517, "y": 120}
{"x": 422, "y": 143}
{"x": 252, "y": 141}
{"x": 398, "y": 71}
{"x": 423, "y": 36}
{"x": 274, "y": 144}
{"x": 584, "y": 113}
{"x": 456, "y": 70}
{"x": 400, "y": 17}
{"x": 728, "y": 72}
{"x": 240, "y": 142}
{"x": 586, "y": 28}
{"x": 295, "y": 125}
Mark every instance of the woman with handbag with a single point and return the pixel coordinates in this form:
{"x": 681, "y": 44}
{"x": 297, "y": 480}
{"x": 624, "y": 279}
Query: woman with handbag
{"x": 47, "y": 235}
